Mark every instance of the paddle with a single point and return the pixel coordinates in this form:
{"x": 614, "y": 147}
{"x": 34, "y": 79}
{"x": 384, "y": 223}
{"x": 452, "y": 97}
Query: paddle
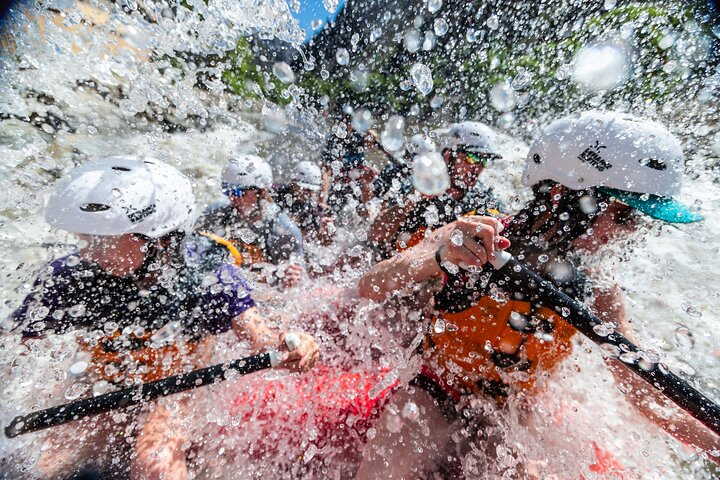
{"x": 576, "y": 314}
{"x": 126, "y": 397}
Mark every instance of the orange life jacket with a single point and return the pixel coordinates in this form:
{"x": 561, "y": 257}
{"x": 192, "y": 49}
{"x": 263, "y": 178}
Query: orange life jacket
{"x": 136, "y": 358}
{"x": 492, "y": 347}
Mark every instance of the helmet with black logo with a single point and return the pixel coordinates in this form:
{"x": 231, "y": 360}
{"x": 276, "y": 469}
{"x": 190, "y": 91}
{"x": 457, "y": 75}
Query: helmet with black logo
{"x": 638, "y": 161}
{"x": 119, "y": 195}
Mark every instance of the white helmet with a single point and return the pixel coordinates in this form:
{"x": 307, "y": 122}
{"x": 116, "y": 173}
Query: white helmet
{"x": 246, "y": 171}
{"x": 628, "y": 156}
{"x": 308, "y": 175}
{"x": 119, "y": 195}
{"x": 474, "y": 137}
{"x": 419, "y": 144}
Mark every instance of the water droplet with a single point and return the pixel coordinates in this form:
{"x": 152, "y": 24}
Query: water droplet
{"x": 375, "y": 34}
{"x": 166, "y": 334}
{"x": 684, "y": 338}
{"x": 72, "y": 260}
{"x": 430, "y": 174}
{"x": 588, "y": 204}
{"x": 421, "y": 77}
{"x": 440, "y": 26}
{"x": 564, "y": 216}
{"x": 471, "y": 35}
{"x": 434, "y": 5}
{"x": 359, "y": 80}
{"x": 629, "y": 357}
{"x": 78, "y": 368}
{"x": 518, "y": 321}
{"x": 604, "y": 329}
{"x": 393, "y": 137}
{"x": 309, "y": 453}
{"x": 609, "y": 4}
{"x": 684, "y": 368}
{"x": 331, "y": 5}
{"x": 77, "y": 310}
{"x": 457, "y": 237}
{"x": 716, "y": 31}
{"x": 362, "y": 120}
{"x": 521, "y": 80}
{"x": 75, "y": 391}
{"x": 110, "y": 327}
{"x": 429, "y": 41}
{"x": 565, "y": 312}
{"x": 493, "y": 22}
{"x": 315, "y": 24}
{"x": 283, "y": 72}
{"x": 413, "y": 40}
{"x": 506, "y": 120}
{"x": 667, "y": 41}
{"x": 436, "y": 101}
{"x": 39, "y": 313}
{"x": 247, "y": 235}
{"x": 609, "y": 350}
{"x": 502, "y": 97}
{"x": 691, "y": 310}
{"x": 411, "y": 412}
{"x": 439, "y": 326}
{"x": 602, "y": 66}
{"x": 342, "y": 56}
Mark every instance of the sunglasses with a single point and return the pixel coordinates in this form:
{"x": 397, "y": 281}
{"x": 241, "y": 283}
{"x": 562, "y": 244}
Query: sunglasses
{"x": 233, "y": 191}
{"x": 476, "y": 158}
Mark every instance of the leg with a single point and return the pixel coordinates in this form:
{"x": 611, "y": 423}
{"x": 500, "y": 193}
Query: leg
{"x": 408, "y": 441}
{"x": 159, "y": 446}
{"x": 68, "y": 448}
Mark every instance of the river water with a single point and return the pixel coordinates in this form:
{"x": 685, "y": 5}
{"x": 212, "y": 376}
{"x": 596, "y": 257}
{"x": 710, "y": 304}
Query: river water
{"x": 80, "y": 72}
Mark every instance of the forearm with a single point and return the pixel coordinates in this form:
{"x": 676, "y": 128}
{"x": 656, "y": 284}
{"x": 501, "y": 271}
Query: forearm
{"x": 385, "y": 227}
{"x": 250, "y": 326}
{"x": 669, "y": 417}
{"x": 413, "y": 266}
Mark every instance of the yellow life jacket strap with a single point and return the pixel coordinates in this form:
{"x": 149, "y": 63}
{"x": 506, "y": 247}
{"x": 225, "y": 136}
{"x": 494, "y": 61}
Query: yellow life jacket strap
{"x": 237, "y": 256}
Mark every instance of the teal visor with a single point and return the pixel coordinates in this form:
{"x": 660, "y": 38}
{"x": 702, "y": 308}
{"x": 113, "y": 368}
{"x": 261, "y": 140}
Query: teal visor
{"x": 662, "y": 208}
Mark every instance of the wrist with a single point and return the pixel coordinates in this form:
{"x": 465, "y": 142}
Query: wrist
{"x": 439, "y": 261}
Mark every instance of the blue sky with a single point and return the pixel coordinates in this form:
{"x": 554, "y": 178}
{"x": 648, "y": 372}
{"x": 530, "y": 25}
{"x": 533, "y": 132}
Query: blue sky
{"x": 312, "y": 10}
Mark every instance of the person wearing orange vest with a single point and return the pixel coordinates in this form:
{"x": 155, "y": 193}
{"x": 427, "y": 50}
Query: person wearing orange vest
{"x": 468, "y": 147}
{"x": 143, "y": 309}
{"x": 591, "y": 174}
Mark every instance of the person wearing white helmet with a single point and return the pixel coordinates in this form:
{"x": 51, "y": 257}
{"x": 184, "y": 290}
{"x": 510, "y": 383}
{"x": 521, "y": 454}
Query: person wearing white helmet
{"x": 130, "y": 283}
{"x": 591, "y": 173}
{"x": 467, "y": 149}
{"x": 300, "y": 198}
{"x": 261, "y": 231}
{"x": 393, "y": 177}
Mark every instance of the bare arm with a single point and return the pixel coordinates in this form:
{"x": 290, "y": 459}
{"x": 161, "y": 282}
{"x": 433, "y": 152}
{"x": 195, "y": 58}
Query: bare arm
{"x": 466, "y": 243}
{"x": 610, "y": 305}
{"x": 387, "y": 224}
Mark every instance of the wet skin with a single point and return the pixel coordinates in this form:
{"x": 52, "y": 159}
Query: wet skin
{"x": 118, "y": 255}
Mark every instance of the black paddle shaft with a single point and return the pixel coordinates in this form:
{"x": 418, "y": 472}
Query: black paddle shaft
{"x": 133, "y": 395}
{"x": 521, "y": 278}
